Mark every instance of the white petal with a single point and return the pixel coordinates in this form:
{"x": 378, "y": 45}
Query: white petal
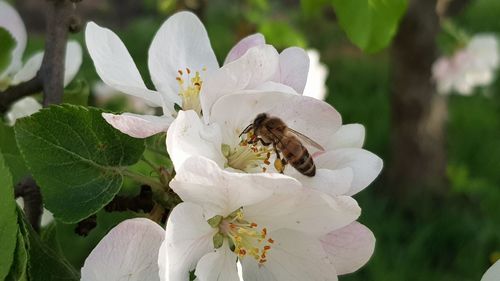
{"x": 350, "y": 135}
{"x": 294, "y": 66}
{"x": 181, "y": 42}
{"x": 333, "y": 182}
{"x": 293, "y": 257}
{"x": 128, "y": 252}
{"x": 242, "y": 47}
{"x": 12, "y": 22}
{"x": 29, "y": 69}
{"x": 350, "y": 247}
{"x": 187, "y": 239}
{"x": 308, "y": 211}
{"x": 188, "y": 136}
{"x": 366, "y": 165}
{"x": 73, "y": 61}
{"x": 114, "y": 64}
{"x": 217, "y": 266}
{"x": 493, "y": 273}
{"x": 138, "y": 126}
{"x": 313, "y": 118}
{"x": 256, "y": 66}
{"x": 316, "y": 78}
{"x": 271, "y": 86}
{"x": 221, "y": 192}
{"x": 22, "y": 108}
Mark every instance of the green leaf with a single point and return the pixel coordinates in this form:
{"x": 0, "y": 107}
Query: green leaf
{"x": 312, "y": 7}
{"x": 18, "y": 271}
{"x": 370, "y": 24}
{"x": 281, "y": 34}
{"x": 76, "y": 158}
{"x": 45, "y": 264}
{"x": 11, "y": 154}
{"x": 8, "y": 44}
{"x": 8, "y": 220}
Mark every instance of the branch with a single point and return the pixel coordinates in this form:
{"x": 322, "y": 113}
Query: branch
{"x": 16, "y": 92}
{"x": 61, "y": 19}
{"x": 30, "y": 192}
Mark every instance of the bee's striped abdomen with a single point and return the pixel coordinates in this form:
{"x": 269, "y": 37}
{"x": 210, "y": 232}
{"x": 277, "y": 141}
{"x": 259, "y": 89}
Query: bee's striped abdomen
{"x": 298, "y": 156}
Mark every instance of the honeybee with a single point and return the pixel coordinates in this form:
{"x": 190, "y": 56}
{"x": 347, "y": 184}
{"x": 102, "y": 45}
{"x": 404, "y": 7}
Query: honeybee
{"x": 272, "y": 130}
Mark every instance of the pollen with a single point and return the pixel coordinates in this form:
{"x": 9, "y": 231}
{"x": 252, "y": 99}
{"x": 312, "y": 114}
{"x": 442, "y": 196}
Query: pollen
{"x": 249, "y": 155}
{"x": 248, "y": 238}
{"x": 189, "y": 89}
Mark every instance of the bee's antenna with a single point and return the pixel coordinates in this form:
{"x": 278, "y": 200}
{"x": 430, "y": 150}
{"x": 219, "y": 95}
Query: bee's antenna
{"x": 246, "y": 130}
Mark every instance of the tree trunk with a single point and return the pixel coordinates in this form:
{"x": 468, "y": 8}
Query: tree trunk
{"x": 418, "y": 163}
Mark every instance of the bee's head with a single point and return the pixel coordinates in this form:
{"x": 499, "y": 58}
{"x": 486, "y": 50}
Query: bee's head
{"x": 257, "y": 122}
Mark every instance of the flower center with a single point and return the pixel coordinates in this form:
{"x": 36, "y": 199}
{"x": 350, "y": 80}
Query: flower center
{"x": 248, "y": 156}
{"x": 189, "y": 89}
{"x": 245, "y": 238}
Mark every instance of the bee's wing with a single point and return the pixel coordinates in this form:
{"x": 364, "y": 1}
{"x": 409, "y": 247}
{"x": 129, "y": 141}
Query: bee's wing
{"x": 306, "y": 139}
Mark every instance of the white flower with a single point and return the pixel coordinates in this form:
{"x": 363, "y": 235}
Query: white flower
{"x": 316, "y": 78}
{"x": 493, "y": 273}
{"x": 16, "y": 72}
{"x": 343, "y": 168}
{"x": 267, "y": 221}
{"x": 469, "y": 67}
{"x": 128, "y": 252}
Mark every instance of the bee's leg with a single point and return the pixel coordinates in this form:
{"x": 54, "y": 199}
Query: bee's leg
{"x": 279, "y": 163}
{"x": 261, "y": 141}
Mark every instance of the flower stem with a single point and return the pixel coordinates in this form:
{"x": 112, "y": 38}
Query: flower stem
{"x": 155, "y": 185}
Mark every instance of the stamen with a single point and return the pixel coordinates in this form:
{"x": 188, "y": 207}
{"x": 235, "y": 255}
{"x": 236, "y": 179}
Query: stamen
{"x": 245, "y": 237}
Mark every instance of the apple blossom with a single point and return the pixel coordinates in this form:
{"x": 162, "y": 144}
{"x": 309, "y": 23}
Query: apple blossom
{"x": 18, "y": 72}
{"x": 343, "y": 168}
{"x": 474, "y": 65}
{"x": 268, "y": 222}
{"x": 128, "y": 252}
{"x": 181, "y": 62}
{"x": 316, "y": 78}
{"x": 493, "y": 273}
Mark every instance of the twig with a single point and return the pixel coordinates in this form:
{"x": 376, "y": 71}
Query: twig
{"x": 30, "y": 192}
{"x": 61, "y": 19}
{"x": 49, "y": 79}
{"x": 19, "y": 91}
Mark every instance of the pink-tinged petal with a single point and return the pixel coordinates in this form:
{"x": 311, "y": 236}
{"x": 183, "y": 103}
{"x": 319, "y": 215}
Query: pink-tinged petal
{"x": 271, "y": 86}
{"x": 308, "y": 211}
{"x": 294, "y": 67}
{"x": 350, "y": 135}
{"x": 316, "y": 78}
{"x": 114, "y": 64}
{"x": 12, "y": 22}
{"x": 219, "y": 192}
{"x": 311, "y": 117}
{"x": 181, "y": 42}
{"x": 333, "y": 182}
{"x": 243, "y": 46}
{"x": 72, "y": 62}
{"x": 138, "y": 126}
{"x": 29, "y": 69}
{"x": 293, "y": 256}
{"x": 366, "y": 165}
{"x": 188, "y": 136}
{"x": 128, "y": 252}
{"x": 217, "y": 266}
{"x": 256, "y": 66}
{"x": 188, "y": 238}
{"x": 349, "y": 248}
{"x": 493, "y": 273}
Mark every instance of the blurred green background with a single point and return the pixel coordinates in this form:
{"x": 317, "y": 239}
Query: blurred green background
{"x": 456, "y": 237}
